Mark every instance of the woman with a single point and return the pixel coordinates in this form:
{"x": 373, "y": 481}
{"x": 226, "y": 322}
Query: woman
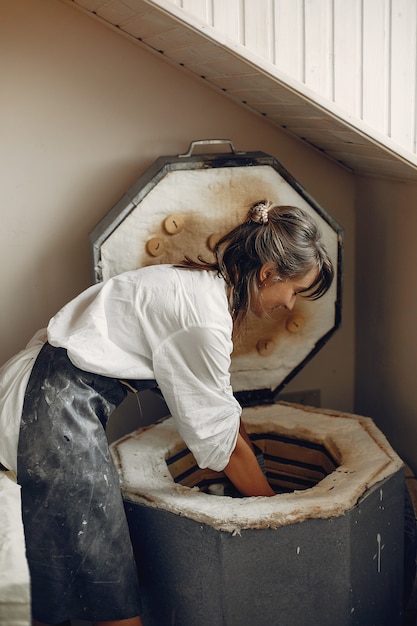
{"x": 165, "y": 326}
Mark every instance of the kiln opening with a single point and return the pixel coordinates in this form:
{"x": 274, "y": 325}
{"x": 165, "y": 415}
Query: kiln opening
{"x": 290, "y": 464}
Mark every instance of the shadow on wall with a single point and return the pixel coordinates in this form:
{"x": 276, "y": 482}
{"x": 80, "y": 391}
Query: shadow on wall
{"x": 136, "y": 411}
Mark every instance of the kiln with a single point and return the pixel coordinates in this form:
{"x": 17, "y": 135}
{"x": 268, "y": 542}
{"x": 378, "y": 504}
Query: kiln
{"x": 328, "y": 548}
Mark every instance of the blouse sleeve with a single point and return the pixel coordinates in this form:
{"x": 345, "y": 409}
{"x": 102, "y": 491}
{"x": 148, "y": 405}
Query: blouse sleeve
{"x": 192, "y": 371}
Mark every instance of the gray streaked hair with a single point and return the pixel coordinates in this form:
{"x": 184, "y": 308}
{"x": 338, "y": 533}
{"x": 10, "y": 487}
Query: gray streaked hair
{"x": 286, "y": 236}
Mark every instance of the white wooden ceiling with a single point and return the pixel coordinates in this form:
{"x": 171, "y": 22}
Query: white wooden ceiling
{"x": 253, "y": 83}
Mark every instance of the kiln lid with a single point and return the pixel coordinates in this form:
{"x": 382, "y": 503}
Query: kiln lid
{"x": 181, "y": 205}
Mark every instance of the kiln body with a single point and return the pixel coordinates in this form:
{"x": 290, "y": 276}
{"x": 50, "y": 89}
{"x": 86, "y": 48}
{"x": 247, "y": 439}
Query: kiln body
{"x": 328, "y": 548}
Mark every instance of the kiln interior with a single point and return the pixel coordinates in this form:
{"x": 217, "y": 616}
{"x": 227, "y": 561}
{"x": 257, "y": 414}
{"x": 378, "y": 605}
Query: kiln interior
{"x": 290, "y": 464}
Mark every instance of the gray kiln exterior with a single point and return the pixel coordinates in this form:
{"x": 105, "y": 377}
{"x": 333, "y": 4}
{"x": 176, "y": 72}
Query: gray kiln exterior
{"x": 320, "y": 572}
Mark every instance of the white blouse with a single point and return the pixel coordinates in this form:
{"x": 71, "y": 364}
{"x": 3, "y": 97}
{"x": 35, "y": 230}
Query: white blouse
{"x": 159, "y": 322}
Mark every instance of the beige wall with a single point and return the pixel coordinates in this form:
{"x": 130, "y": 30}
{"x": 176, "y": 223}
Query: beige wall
{"x": 84, "y": 113}
{"x": 386, "y": 311}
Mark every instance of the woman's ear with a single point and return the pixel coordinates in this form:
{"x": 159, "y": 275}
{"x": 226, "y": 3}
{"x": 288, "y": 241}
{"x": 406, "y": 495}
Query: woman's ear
{"x": 267, "y": 270}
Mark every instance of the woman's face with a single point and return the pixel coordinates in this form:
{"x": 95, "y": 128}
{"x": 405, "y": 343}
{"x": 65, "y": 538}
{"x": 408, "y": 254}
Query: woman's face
{"x": 275, "y": 293}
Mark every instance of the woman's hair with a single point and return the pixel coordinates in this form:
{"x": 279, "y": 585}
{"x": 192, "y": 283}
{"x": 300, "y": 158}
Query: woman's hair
{"x": 285, "y": 236}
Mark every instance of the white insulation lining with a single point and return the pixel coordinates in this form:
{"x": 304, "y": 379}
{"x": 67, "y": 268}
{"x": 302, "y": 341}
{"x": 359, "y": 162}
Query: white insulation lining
{"x": 364, "y": 455}
{"x": 211, "y": 201}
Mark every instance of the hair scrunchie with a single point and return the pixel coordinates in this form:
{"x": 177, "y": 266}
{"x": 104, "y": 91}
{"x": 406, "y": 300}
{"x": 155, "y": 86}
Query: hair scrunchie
{"x": 259, "y": 212}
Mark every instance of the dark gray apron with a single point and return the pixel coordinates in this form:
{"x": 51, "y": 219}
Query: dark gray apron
{"x": 77, "y": 539}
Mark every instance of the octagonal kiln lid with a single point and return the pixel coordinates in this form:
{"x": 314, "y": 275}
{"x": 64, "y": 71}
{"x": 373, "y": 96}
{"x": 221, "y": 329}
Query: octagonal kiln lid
{"x": 181, "y": 205}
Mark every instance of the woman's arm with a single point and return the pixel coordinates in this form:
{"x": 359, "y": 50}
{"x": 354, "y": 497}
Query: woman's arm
{"x": 244, "y": 471}
{"x": 242, "y": 431}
